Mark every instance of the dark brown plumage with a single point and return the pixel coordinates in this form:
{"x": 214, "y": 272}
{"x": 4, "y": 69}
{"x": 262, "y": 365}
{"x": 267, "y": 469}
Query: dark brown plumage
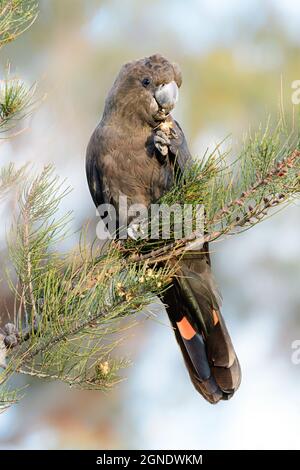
{"x": 130, "y": 154}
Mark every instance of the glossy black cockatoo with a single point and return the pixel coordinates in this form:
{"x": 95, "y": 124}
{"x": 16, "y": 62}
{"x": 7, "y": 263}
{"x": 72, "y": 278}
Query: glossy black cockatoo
{"x": 130, "y": 154}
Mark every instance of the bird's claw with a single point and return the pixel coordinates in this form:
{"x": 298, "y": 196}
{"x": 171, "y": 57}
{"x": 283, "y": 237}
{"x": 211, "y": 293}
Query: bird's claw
{"x": 163, "y": 149}
{"x": 136, "y": 231}
{"x": 133, "y": 231}
{"x": 162, "y": 142}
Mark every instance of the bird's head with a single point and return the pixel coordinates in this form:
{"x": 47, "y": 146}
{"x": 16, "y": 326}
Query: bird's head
{"x": 145, "y": 90}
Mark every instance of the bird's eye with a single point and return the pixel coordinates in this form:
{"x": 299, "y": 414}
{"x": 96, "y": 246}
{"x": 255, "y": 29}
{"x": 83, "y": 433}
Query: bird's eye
{"x": 146, "y": 82}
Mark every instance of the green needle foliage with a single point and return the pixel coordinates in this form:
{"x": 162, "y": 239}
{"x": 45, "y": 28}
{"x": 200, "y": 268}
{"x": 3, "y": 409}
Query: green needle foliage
{"x": 68, "y": 307}
{"x": 16, "y": 98}
{"x": 17, "y": 101}
{"x": 16, "y": 16}
{"x": 237, "y": 195}
{"x": 10, "y": 176}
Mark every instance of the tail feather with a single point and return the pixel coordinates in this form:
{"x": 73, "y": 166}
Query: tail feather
{"x": 192, "y": 303}
{"x": 228, "y": 378}
{"x": 219, "y": 345}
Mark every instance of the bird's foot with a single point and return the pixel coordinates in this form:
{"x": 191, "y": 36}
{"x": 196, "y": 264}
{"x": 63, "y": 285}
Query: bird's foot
{"x": 137, "y": 230}
{"x": 162, "y": 142}
{"x": 133, "y": 231}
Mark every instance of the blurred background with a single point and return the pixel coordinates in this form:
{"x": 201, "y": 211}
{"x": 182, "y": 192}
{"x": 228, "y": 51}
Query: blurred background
{"x": 234, "y": 58}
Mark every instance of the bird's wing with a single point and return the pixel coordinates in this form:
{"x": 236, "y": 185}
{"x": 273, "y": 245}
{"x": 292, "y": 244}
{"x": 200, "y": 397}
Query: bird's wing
{"x": 94, "y": 176}
{"x": 179, "y": 148}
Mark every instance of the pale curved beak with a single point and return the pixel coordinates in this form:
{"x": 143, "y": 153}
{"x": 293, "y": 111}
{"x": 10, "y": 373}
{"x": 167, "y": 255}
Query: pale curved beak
{"x": 167, "y": 95}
